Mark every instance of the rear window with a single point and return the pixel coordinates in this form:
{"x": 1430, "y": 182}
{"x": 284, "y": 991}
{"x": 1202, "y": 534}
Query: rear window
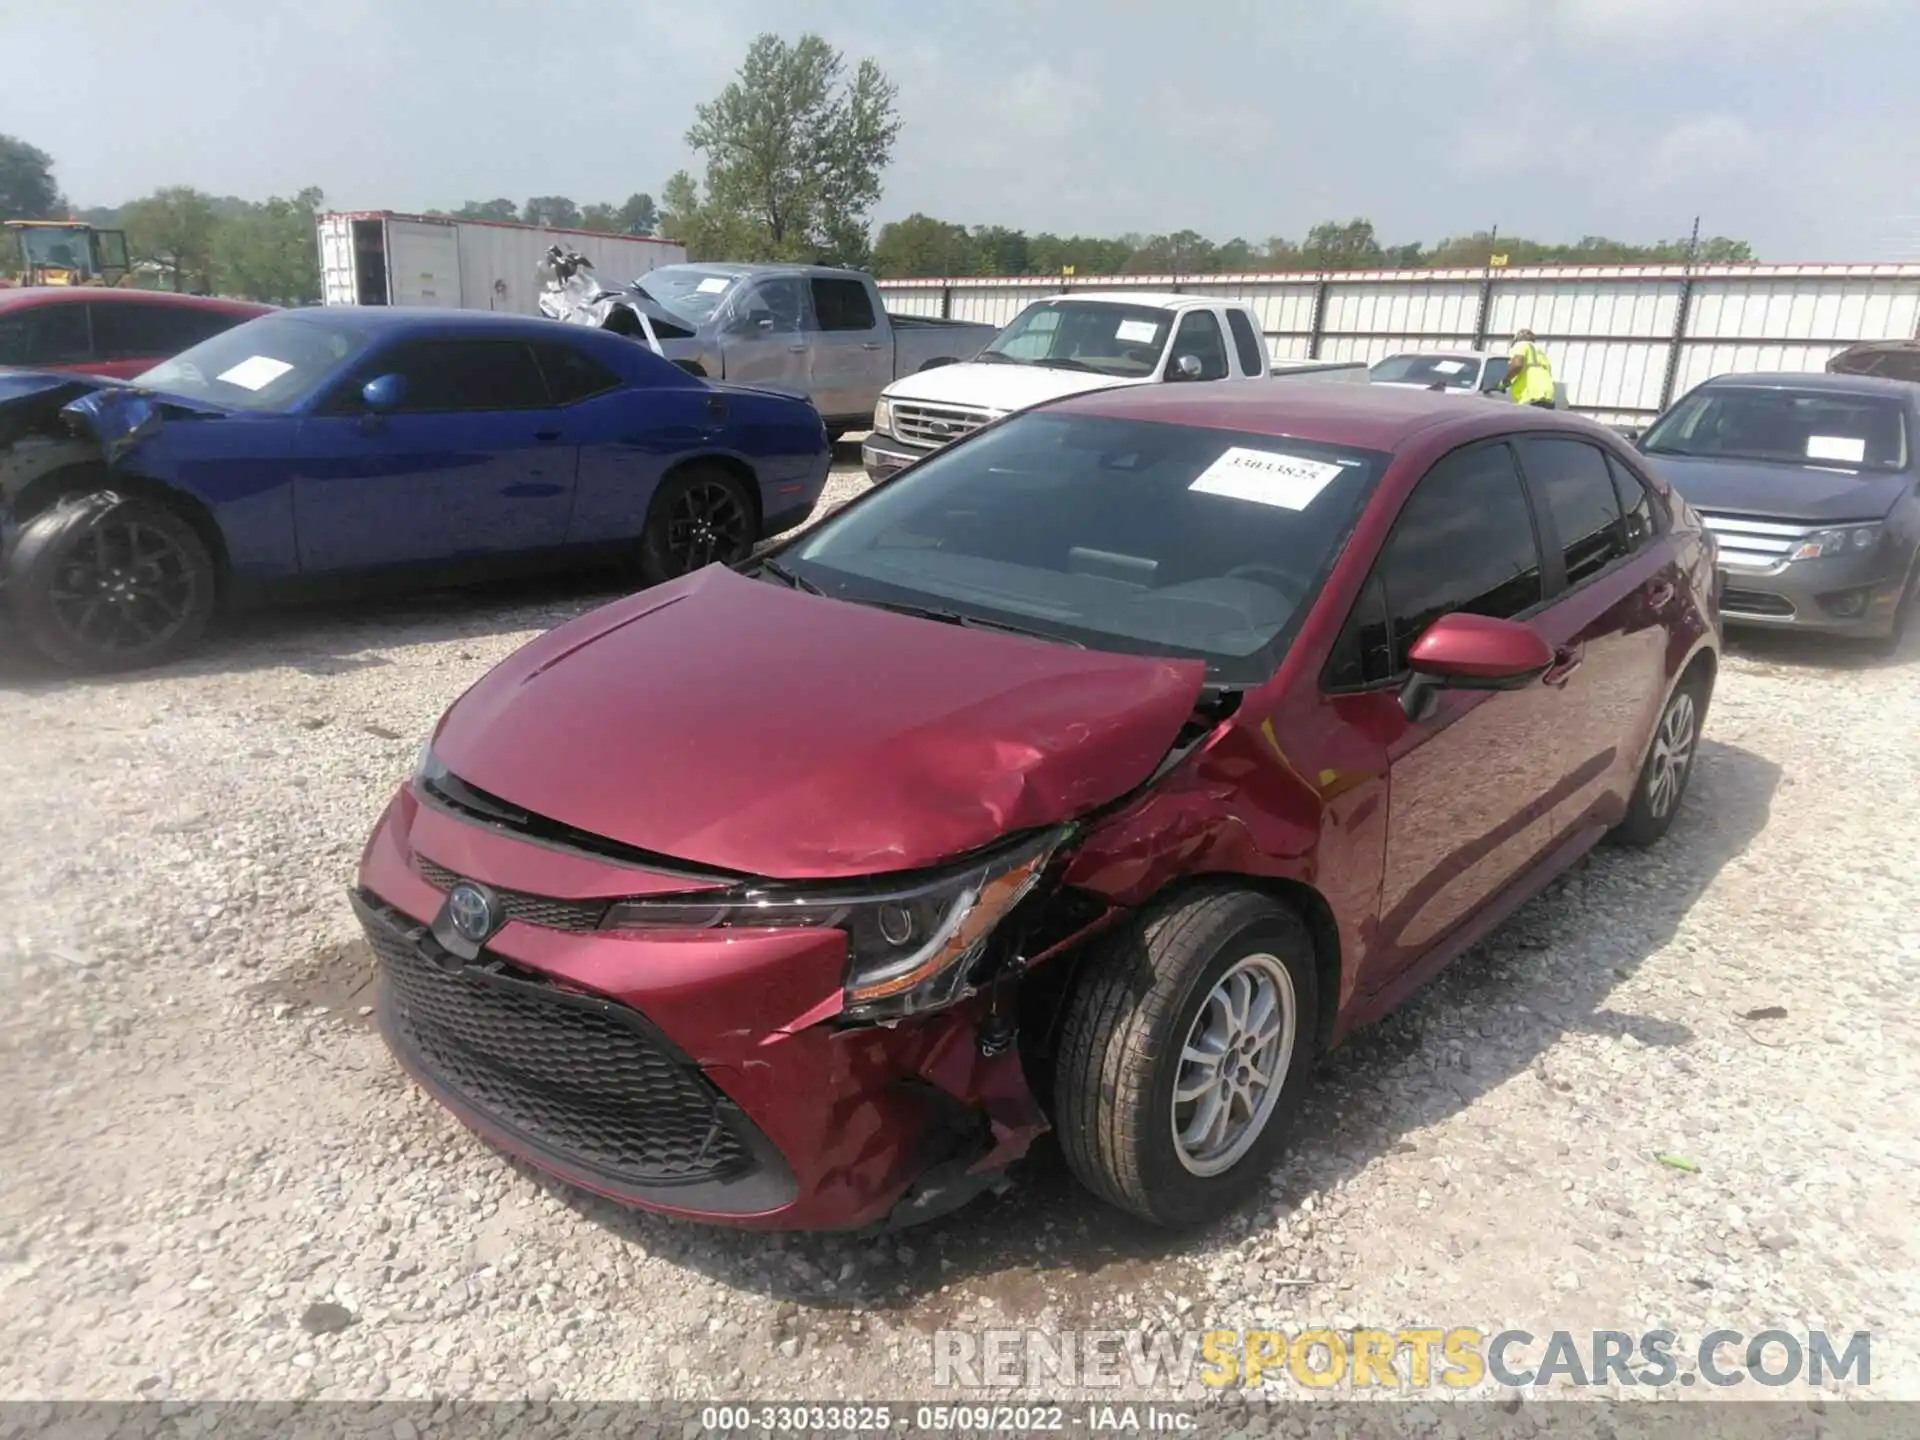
{"x": 52, "y": 334}
{"x": 1810, "y": 427}
{"x": 1440, "y": 372}
{"x": 1115, "y": 534}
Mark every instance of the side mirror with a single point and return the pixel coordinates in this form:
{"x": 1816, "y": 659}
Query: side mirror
{"x": 1471, "y": 652}
{"x": 1185, "y": 367}
{"x": 383, "y": 393}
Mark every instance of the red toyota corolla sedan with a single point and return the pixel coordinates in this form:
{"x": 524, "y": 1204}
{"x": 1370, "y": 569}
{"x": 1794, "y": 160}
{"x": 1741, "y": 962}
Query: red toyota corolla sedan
{"x": 1096, "y": 773}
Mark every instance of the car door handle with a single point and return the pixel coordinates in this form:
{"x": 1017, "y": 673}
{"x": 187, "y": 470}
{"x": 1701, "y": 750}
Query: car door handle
{"x": 546, "y": 434}
{"x": 870, "y": 345}
{"x": 796, "y": 349}
{"x": 1566, "y": 660}
{"x": 1660, "y": 595}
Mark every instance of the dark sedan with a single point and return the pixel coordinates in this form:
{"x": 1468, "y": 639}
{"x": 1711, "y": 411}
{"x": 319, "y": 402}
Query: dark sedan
{"x": 1808, "y": 483}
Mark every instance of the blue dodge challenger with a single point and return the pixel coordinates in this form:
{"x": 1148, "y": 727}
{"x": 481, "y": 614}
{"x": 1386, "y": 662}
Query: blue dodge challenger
{"x": 315, "y": 448}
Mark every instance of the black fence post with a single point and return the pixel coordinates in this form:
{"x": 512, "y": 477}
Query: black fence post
{"x": 1485, "y": 316}
{"x": 946, "y": 302}
{"x": 1314, "y": 331}
{"x": 1682, "y": 313}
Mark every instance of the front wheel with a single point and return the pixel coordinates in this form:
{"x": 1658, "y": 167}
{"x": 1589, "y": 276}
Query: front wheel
{"x": 1185, "y": 1052}
{"x": 700, "y": 516}
{"x": 101, "y": 582}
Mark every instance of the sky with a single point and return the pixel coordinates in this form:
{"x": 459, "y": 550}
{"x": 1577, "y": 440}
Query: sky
{"x": 1791, "y": 123}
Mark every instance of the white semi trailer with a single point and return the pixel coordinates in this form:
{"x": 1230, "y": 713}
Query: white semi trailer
{"x": 378, "y": 257}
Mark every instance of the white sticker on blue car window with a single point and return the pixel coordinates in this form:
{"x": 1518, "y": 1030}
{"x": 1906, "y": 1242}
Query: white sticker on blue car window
{"x": 256, "y": 372}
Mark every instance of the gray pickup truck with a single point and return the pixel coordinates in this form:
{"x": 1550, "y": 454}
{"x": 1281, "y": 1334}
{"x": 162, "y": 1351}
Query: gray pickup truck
{"x": 804, "y": 329}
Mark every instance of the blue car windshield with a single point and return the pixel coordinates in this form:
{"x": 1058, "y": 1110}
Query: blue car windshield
{"x": 1114, "y": 534}
{"x": 265, "y": 364}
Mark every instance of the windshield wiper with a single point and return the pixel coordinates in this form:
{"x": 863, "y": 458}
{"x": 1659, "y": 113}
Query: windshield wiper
{"x": 995, "y": 357}
{"x": 971, "y": 622}
{"x": 1059, "y": 362}
{"x": 793, "y": 581}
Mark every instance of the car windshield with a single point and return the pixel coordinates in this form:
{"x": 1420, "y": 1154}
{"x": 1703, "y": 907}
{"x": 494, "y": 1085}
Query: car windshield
{"x": 1129, "y": 535}
{"x": 1444, "y": 372}
{"x": 690, "y": 291}
{"x": 265, "y": 364}
{"x": 1807, "y": 427}
{"x": 56, "y": 247}
{"x": 1086, "y": 335}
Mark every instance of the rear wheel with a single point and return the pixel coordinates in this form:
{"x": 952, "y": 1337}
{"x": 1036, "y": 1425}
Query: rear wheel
{"x": 1186, "y": 1049}
{"x": 1669, "y": 765}
{"x": 98, "y": 582}
{"x": 700, "y": 516}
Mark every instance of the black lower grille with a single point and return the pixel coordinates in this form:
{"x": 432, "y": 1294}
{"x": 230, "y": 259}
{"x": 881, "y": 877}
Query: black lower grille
{"x": 575, "y": 915}
{"x": 579, "y": 1077}
{"x": 1755, "y": 602}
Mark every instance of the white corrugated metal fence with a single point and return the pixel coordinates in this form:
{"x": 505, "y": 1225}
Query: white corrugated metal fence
{"x": 1626, "y": 339}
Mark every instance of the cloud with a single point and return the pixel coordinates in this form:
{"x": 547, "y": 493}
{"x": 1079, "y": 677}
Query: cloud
{"x": 1528, "y": 23}
{"x": 1707, "y": 147}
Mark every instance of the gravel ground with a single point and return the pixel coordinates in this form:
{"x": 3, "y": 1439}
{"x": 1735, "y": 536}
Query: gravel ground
{"x": 215, "y": 1183}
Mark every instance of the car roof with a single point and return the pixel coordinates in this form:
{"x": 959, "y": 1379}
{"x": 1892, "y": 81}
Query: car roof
{"x": 95, "y": 294}
{"x": 1366, "y": 417}
{"x": 1816, "y": 380}
{"x": 1166, "y": 299}
{"x": 1446, "y": 353}
{"x": 427, "y": 317}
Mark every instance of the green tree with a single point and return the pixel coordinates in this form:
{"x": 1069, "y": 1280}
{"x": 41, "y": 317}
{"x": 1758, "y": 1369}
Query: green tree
{"x": 501, "y": 209}
{"x": 710, "y": 231}
{"x": 795, "y": 148}
{"x": 1332, "y": 245}
{"x": 268, "y": 252}
{"x": 27, "y": 189}
{"x": 1002, "y": 251}
{"x": 638, "y": 215}
{"x": 601, "y": 217}
{"x": 555, "y": 210}
{"x": 173, "y": 229}
{"x": 923, "y": 246}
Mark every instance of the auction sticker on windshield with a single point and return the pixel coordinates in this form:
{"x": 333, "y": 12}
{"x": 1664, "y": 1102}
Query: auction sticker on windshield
{"x": 1266, "y": 477}
{"x": 714, "y": 284}
{"x": 256, "y": 372}
{"x": 1836, "y": 447}
{"x": 1136, "y": 332}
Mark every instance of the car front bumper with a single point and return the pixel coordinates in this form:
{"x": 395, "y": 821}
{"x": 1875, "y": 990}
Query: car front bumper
{"x": 1838, "y": 595}
{"x": 695, "y": 1076}
{"x": 884, "y": 457}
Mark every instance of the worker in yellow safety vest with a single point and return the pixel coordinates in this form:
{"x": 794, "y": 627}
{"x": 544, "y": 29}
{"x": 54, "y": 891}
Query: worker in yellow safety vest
{"x": 1529, "y": 376}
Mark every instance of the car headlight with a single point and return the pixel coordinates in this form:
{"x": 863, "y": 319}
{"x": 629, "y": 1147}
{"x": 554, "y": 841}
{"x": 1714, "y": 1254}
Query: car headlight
{"x": 883, "y": 416}
{"x": 910, "y": 948}
{"x": 1841, "y": 540}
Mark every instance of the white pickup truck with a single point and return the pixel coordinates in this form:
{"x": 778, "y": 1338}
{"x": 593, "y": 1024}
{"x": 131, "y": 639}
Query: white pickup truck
{"x": 1069, "y": 344}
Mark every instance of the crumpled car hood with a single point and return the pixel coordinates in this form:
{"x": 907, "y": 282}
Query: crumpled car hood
{"x": 736, "y": 724}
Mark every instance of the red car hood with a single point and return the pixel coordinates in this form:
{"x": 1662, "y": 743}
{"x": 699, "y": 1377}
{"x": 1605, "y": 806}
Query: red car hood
{"x": 741, "y": 725}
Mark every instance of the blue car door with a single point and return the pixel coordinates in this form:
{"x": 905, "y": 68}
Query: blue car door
{"x": 473, "y": 461}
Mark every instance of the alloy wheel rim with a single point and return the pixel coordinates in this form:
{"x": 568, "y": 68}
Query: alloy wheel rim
{"x": 707, "y": 523}
{"x": 1233, "y": 1065}
{"x": 125, "y": 587}
{"x": 1672, "y": 754}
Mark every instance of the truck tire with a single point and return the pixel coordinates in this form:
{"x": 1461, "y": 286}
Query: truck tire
{"x": 103, "y": 582}
{"x": 700, "y": 515}
{"x": 1222, "y": 973}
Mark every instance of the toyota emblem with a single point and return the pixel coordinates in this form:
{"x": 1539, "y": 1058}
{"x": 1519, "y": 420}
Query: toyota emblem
{"x": 471, "y": 911}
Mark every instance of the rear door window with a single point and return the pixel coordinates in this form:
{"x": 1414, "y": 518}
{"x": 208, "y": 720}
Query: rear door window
{"x": 1253, "y": 352}
{"x": 572, "y": 376}
{"x": 842, "y": 304}
{"x": 1463, "y": 542}
{"x": 138, "y": 330}
{"x": 1636, "y": 505}
{"x": 1572, "y": 477}
{"x": 53, "y": 334}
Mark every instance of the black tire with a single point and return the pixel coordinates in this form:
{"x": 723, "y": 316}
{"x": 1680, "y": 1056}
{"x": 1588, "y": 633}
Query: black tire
{"x": 1650, "y": 815}
{"x": 1888, "y": 645}
{"x": 1127, "y": 1027}
{"x": 701, "y": 515}
{"x": 101, "y": 582}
